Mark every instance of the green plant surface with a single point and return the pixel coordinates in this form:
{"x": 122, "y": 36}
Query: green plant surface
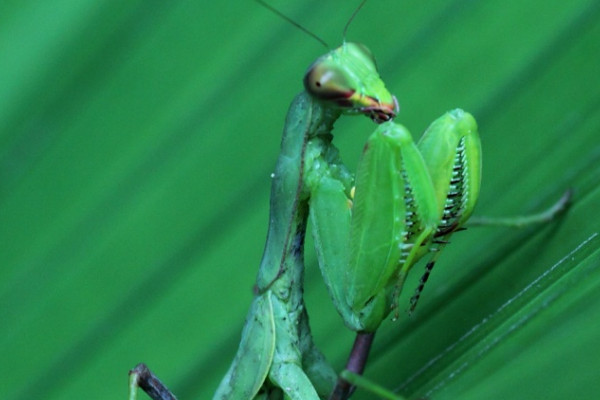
{"x": 137, "y": 140}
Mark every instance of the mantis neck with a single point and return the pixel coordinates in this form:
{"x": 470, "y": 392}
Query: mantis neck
{"x": 282, "y": 263}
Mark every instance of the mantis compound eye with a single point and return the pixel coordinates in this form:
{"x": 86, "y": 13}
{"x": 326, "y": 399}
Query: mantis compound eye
{"x": 327, "y": 83}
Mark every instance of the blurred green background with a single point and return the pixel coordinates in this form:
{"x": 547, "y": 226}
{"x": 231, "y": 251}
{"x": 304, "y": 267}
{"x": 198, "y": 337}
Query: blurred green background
{"x": 136, "y": 143}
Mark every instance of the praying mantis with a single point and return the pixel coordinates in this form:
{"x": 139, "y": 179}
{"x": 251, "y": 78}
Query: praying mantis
{"x": 370, "y": 228}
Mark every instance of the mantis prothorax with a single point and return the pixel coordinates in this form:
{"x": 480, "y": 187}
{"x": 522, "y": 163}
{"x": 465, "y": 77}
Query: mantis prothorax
{"x": 406, "y": 200}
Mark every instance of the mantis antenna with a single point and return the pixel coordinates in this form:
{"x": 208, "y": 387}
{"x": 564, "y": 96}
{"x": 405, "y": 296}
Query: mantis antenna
{"x": 352, "y": 18}
{"x": 291, "y": 21}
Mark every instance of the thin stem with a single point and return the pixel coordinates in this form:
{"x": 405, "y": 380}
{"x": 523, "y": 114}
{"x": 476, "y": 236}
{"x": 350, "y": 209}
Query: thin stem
{"x": 356, "y": 365}
{"x": 142, "y": 377}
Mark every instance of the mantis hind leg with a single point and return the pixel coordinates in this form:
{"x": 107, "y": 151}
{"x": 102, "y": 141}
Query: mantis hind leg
{"x": 521, "y": 221}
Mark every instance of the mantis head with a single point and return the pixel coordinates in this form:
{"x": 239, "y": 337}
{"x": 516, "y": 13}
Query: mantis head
{"x": 347, "y": 78}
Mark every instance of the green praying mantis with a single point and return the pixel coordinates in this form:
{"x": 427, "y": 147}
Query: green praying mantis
{"x": 370, "y": 228}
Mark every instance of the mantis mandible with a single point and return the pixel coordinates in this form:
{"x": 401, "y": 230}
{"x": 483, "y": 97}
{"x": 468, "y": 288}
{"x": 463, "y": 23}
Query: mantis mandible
{"x": 404, "y": 203}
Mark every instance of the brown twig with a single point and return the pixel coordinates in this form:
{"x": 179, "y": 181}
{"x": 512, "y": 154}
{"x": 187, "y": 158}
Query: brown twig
{"x": 145, "y": 379}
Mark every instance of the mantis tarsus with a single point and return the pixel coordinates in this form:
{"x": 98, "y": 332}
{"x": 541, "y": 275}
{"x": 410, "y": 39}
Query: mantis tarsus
{"x": 406, "y": 201}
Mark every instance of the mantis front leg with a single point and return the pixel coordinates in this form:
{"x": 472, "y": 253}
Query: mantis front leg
{"x": 397, "y": 214}
{"x": 409, "y": 200}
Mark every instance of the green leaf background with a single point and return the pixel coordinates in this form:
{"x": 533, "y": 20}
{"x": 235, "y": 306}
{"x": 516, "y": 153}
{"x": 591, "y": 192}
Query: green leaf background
{"x": 136, "y": 143}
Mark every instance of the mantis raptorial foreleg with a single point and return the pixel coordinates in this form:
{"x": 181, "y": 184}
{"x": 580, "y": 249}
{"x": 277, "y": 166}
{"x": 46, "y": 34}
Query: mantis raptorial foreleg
{"x": 397, "y": 214}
